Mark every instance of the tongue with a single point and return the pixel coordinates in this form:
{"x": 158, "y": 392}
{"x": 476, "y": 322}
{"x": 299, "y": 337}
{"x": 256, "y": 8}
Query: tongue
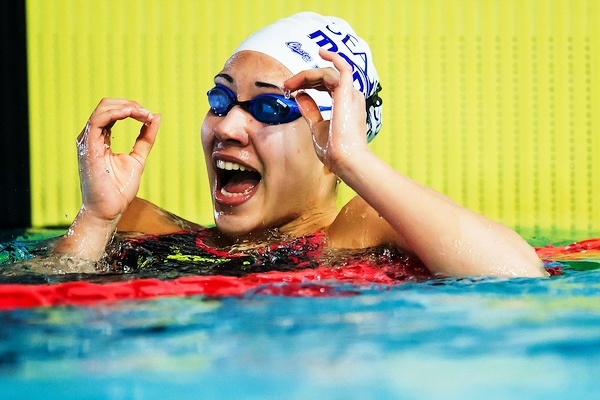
{"x": 240, "y": 183}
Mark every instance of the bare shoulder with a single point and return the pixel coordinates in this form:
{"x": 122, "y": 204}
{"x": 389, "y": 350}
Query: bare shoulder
{"x": 146, "y": 217}
{"x": 358, "y": 225}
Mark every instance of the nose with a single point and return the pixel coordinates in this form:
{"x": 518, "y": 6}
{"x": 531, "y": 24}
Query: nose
{"x": 231, "y": 128}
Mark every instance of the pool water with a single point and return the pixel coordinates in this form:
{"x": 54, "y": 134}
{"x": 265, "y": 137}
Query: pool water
{"x": 444, "y": 338}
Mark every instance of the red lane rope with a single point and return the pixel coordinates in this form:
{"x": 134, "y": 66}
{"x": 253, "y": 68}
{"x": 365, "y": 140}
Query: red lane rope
{"x": 269, "y": 283}
{"x": 589, "y": 248}
{"x": 272, "y": 283}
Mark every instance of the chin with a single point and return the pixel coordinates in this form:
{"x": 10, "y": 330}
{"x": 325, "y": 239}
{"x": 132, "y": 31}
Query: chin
{"x": 234, "y": 225}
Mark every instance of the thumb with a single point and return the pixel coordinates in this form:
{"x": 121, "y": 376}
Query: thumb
{"x": 318, "y": 126}
{"x": 309, "y": 109}
{"x": 145, "y": 140}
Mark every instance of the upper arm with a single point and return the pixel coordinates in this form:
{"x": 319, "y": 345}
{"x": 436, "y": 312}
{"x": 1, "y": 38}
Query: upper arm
{"x": 358, "y": 225}
{"x": 145, "y": 217}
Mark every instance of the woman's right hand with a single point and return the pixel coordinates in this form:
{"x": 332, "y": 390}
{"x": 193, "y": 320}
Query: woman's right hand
{"x": 109, "y": 181}
{"x": 340, "y": 140}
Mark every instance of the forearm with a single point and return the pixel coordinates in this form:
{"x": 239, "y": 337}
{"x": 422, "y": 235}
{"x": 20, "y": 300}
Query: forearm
{"x": 450, "y": 239}
{"x": 87, "y": 237}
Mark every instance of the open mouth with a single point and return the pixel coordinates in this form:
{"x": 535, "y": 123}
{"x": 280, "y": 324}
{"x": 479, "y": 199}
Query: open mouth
{"x": 235, "y": 182}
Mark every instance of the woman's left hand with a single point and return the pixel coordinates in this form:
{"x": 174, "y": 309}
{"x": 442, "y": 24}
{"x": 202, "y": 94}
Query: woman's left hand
{"x": 336, "y": 140}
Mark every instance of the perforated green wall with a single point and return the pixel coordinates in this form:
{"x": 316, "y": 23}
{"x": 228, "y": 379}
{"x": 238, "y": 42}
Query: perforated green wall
{"x": 493, "y": 102}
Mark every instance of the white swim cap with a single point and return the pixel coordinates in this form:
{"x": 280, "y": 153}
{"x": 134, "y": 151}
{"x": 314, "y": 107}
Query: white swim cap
{"x": 295, "y": 42}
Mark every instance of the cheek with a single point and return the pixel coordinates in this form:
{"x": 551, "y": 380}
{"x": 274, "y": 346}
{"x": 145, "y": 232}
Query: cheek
{"x": 298, "y": 136}
{"x": 299, "y": 146}
{"x": 206, "y": 130}
{"x": 207, "y": 139}
{"x": 301, "y": 161}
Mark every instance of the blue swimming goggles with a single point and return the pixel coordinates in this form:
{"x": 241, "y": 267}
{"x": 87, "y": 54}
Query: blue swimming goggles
{"x": 270, "y": 109}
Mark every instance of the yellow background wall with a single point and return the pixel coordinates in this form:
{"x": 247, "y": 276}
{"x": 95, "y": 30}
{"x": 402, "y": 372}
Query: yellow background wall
{"x": 495, "y": 103}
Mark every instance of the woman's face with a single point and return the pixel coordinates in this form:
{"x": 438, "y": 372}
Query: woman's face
{"x": 262, "y": 176}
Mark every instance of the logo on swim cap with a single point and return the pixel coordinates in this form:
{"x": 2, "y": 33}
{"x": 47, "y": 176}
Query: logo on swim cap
{"x": 296, "y": 47}
{"x": 352, "y": 50}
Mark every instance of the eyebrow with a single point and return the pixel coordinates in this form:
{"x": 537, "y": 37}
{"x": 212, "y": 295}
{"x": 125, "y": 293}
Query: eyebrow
{"x": 228, "y": 78}
{"x": 266, "y": 85}
{"x": 259, "y": 84}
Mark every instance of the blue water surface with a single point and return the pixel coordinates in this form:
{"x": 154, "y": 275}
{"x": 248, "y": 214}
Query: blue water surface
{"x": 443, "y": 339}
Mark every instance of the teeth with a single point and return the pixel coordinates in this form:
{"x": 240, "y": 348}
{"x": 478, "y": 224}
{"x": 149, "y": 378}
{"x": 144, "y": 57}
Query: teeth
{"x": 231, "y": 166}
{"x": 226, "y": 193}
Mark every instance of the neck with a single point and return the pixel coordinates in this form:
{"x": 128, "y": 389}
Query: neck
{"x": 310, "y": 222}
{"x": 305, "y": 224}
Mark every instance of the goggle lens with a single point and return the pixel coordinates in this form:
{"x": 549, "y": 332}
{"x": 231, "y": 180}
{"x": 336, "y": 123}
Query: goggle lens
{"x": 269, "y": 109}
{"x": 219, "y": 101}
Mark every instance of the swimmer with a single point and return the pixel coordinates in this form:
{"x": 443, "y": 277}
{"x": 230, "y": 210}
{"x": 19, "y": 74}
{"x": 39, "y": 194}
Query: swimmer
{"x": 291, "y": 114}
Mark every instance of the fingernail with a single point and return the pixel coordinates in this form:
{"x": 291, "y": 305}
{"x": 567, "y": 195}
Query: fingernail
{"x": 149, "y": 118}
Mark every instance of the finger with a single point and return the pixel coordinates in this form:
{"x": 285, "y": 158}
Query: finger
{"x": 83, "y": 137}
{"x": 111, "y": 103}
{"x": 311, "y": 113}
{"x": 339, "y": 62}
{"x": 323, "y": 79}
{"x": 106, "y": 134}
{"x": 309, "y": 109}
{"x": 107, "y": 118}
{"x": 318, "y": 126}
{"x": 146, "y": 138}
{"x": 346, "y": 75}
{"x": 94, "y": 140}
{"x": 101, "y": 122}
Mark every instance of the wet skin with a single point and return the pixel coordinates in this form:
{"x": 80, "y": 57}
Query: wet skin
{"x": 291, "y": 186}
{"x": 296, "y": 192}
